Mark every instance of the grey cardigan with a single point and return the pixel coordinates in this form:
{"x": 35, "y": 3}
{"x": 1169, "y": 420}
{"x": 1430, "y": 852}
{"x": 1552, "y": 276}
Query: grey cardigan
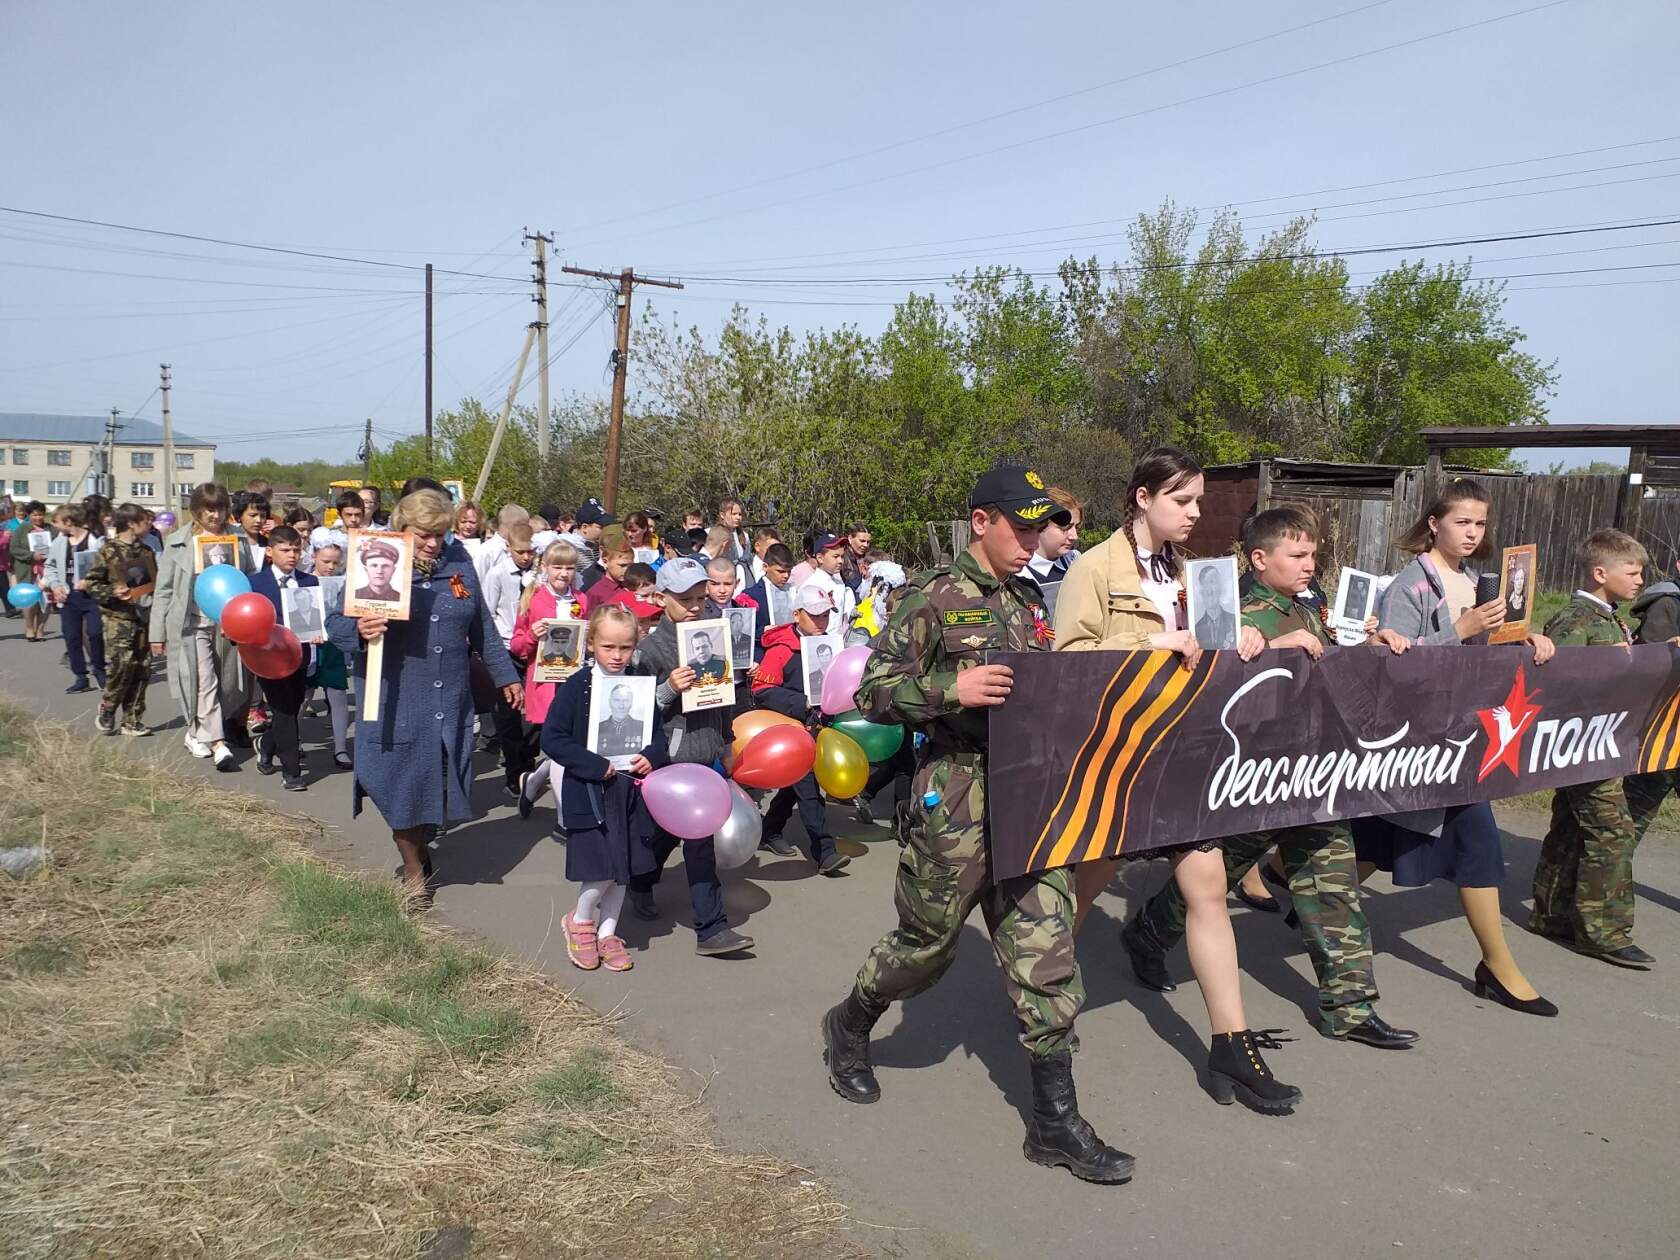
{"x": 1415, "y": 605}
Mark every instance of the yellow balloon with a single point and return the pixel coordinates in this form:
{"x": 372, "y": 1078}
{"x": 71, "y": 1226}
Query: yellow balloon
{"x": 842, "y": 766}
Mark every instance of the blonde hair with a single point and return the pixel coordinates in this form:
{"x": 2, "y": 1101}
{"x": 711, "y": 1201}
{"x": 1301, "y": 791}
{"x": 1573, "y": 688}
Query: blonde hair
{"x": 1606, "y": 547}
{"x": 467, "y": 505}
{"x": 616, "y": 613}
{"x": 428, "y": 511}
{"x": 557, "y": 552}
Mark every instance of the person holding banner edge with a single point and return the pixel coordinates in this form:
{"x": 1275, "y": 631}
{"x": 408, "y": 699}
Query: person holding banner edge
{"x": 927, "y": 672}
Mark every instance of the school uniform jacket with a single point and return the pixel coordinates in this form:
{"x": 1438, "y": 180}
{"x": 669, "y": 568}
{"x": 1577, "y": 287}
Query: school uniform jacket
{"x": 266, "y": 582}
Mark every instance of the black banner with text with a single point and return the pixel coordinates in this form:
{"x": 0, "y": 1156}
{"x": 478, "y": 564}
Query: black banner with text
{"x": 1096, "y": 752}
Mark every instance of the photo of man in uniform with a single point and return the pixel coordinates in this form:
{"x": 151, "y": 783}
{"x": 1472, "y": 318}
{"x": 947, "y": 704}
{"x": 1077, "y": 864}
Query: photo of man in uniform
{"x": 620, "y": 735}
{"x": 1213, "y": 602}
{"x": 379, "y": 566}
{"x": 1358, "y": 596}
{"x": 305, "y": 613}
{"x": 709, "y": 668}
{"x": 822, "y": 657}
{"x": 743, "y": 622}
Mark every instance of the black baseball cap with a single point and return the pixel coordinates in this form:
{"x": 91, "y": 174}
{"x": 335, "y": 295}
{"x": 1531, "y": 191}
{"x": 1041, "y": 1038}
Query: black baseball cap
{"x": 1018, "y": 492}
{"x": 592, "y": 513}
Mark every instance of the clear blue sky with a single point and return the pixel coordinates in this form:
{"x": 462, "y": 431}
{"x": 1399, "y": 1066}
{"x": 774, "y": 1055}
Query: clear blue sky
{"x": 427, "y": 131}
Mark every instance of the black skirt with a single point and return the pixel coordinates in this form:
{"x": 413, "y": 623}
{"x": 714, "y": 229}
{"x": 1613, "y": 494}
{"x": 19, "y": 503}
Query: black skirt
{"x": 618, "y": 849}
{"x": 1168, "y": 850}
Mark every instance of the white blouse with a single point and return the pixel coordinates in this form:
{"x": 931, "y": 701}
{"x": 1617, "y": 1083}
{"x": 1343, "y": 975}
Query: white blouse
{"x": 1164, "y": 595}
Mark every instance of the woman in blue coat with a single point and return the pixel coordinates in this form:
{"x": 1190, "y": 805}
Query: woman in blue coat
{"x": 415, "y": 758}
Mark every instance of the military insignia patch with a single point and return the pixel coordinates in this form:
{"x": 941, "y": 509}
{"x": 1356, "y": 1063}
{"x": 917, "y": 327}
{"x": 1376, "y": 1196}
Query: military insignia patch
{"x": 1035, "y": 481}
{"x": 1033, "y": 513}
{"x": 969, "y": 617}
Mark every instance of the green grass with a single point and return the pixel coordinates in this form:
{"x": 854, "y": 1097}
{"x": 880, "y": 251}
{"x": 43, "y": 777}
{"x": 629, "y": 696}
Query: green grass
{"x": 573, "y": 1148}
{"x": 483, "y": 1032}
{"x": 152, "y": 1027}
{"x": 282, "y": 1041}
{"x": 1546, "y": 606}
{"x": 46, "y": 955}
{"x": 350, "y": 917}
{"x": 579, "y": 1083}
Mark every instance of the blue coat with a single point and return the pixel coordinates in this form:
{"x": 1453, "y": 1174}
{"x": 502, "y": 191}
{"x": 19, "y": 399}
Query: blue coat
{"x": 425, "y": 706}
{"x": 266, "y": 582}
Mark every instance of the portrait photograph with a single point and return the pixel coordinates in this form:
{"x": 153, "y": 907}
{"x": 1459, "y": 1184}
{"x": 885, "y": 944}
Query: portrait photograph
{"x": 816, "y": 654}
{"x": 1517, "y": 566}
{"x": 455, "y": 488}
{"x": 560, "y": 650}
{"x": 379, "y": 570}
{"x": 303, "y": 610}
{"x": 620, "y": 716}
{"x": 1214, "y": 605}
{"x": 1356, "y": 600}
{"x": 209, "y": 549}
{"x": 84, "y": 561}
{"x": 703, "y": 646}
{"x": 743, "y": 624}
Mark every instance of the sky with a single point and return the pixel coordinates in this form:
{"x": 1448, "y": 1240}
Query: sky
{"x": 799, "y": 148}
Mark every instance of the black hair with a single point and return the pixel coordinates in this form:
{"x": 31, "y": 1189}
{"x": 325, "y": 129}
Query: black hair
{"x": 778, "y": 554}
{"x": 639, "y": 573}
{"x": 349, "y": 499}
{"x": 128, "y": 515}
{"x": 420, "y": 483}
{"x": 284, "y": 534}
{"x": 1161, "y": 471}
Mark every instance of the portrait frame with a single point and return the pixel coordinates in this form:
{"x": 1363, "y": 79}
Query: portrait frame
{"x": 1517, "y": 569}
{"x": 361, "y": 586}
{"x": 1216, "y": 599}
{"x": 604, "y": 721}
{"x": 713, "y": 689}
{"x": 208, "y": 549}
{"x": 813, "y": 667}
{"x": 456, "y": 489}
{"x": 82, "y": 561}
{"x": 1349, "y": 616}
{"x": 560, "y": 650}
{"x": 743, "y": 635}
{"x": 303, "y": 611}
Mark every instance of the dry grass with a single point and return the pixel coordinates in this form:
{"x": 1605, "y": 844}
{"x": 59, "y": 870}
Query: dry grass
{"x": 212, "y": 1044}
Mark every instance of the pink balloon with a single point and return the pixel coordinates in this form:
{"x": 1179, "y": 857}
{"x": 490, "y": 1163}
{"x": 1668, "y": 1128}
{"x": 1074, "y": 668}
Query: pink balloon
{"x": 688, "y": 800}
{"x": 841, "y": 682}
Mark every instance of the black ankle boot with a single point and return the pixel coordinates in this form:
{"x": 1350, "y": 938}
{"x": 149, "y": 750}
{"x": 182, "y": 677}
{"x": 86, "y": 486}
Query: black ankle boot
{"x": 1059, "y": 1137}
{"x": 1236, "y": 1070}
{"x": 845, "y": 1033}
{"x": 1149, "y": 967}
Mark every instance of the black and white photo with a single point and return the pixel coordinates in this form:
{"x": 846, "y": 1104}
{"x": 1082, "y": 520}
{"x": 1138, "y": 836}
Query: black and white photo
{"x": 742, "y": 623}
{"x": 816, "y": 654}
{"x": 620, "y": 716}
{"x": 1212, "y": 588}
{"x": 304, "y": 612}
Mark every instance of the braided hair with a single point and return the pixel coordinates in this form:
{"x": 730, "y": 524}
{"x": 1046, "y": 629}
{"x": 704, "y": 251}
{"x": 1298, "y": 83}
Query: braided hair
{"x": 1160, "y": 471}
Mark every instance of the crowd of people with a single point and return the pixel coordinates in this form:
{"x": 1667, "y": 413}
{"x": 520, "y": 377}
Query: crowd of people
{"x": 466, "y": 672}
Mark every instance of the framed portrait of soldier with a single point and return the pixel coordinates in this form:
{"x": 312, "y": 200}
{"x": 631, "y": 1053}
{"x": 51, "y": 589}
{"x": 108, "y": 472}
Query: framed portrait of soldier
{"x": 378, "y": 573}
{"x": 816, "y": 655}
{"x": 1516, "y": 592}
{"x": 303, "y": 610}
{"x": 743, "y": 631}
{"x": 1212, "y": 589}
{"x": 560, "y": 649}
{"x": 213, "y": 549}
{"x": 1356, "y": 600}
{"x": 83, "y": 560}
{"x": 703, "y": 646}
{"x": 620, "y": 716}
{"x": 455, "y": 488}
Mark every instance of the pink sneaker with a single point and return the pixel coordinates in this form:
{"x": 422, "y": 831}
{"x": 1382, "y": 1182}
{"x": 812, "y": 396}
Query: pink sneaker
{"x": 581, "y": 947}
{"x": 613, "y": 954}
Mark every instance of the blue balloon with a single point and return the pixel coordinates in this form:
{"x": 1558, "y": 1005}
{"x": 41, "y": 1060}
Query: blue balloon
{"x": 23, "y": 595}
{"x": 216, "y": 586}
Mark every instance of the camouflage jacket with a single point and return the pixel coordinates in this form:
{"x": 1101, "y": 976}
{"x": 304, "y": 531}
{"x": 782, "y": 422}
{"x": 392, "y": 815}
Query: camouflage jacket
{"x": 121, "y": 564}
{"x": 1274, "y": 614}
{"x": 946, "y": 623}
{"x": 1586, "y": 621}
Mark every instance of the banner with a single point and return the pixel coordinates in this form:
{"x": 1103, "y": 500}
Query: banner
{"x": 1099, "y": 752}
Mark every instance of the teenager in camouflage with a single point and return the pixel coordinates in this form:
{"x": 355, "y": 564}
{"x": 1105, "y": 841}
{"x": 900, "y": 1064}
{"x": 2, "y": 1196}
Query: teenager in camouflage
{"x": 1583, "y": 882}
{"x": 1318, "y": 859}
{"x": 124, "y": 565}
{"x": 928, "y": 672}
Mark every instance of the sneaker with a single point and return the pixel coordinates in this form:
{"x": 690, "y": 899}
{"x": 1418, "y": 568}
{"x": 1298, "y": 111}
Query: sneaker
{"x": 80, "y": 685}
{"x": 581, "y": 945}
{"x": 106, "y": 720}
{"x": 778, "y": 846}
{"x": 614, "y": 957}
{"x": 223, "y": 756}
{"x": 197, "y": 747}
{"x": 136, "y": 729}
{"x": 727, "y": 941}
{"x": 265, "y": 764}
{"x": 256, "y": 722}
{"x": 860, "y": 811}
{"x": 342, "y": 761}
{"x": 833, "y": 864}
{"x": 292, "y": 784}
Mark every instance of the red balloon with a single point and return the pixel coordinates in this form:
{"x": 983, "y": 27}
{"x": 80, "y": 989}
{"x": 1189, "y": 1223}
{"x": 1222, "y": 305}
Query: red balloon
{"x": 277, "y": 657}
{"x": 248, "y": 619}
{"x": 776, "y": 757}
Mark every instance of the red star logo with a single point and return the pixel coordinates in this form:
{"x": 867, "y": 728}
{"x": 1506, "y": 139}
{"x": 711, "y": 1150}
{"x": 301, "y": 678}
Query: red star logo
{"x": 1506, "y": 725}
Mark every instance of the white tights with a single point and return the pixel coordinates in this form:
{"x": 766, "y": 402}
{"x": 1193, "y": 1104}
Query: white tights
{"x": 538, "y": 779}
{"x": 599, "y": 903}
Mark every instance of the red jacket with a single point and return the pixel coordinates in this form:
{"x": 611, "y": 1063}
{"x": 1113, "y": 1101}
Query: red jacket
{"x": 543, "y": 607}
{"x": 781, "y": 652}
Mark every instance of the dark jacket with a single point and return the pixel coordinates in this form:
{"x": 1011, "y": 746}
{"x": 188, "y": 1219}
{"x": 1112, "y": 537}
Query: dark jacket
{"x": 1657, "y": 612}
{"x": 565, "y": 738}
{"x": 759, "y": 597}
{"x": 266, "y": 582}
{"x": 701, "y": 736}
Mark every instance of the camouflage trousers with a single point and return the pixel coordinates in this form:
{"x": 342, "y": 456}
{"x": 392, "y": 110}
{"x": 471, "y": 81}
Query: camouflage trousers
{"x": 1583, "y": 882}
{"x": 1645, "y": 795}
{"x": 127, "y": 667}
{"x": 1324, "y": 886}
{"x": 943, "y": 874}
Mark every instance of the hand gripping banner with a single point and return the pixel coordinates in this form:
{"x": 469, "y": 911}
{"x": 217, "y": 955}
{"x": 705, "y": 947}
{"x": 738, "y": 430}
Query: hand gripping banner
{"x": 1099, "y": 752}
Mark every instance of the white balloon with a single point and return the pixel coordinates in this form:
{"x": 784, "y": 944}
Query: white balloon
{"x": 737, "y": 840}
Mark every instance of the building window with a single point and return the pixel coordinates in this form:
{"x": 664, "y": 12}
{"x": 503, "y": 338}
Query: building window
{"x": 20, "y": 455}
{"x": 139, "y": 489}
{"x": 139, "y": 459}
{"x": 20, "y": 487}
{"x": 183, "y": 489}
{"x": 183, "y": 459}
{"x": 58, "y": 489}
{"x": 58, "y": 459}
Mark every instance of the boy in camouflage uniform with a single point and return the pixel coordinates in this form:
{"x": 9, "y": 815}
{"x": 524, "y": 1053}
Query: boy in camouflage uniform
{"x": 1583, "y": 882}
{"x": 1318, "y": 858}
{"x": 927, "y": 673}
{"x": 125, "y": 565}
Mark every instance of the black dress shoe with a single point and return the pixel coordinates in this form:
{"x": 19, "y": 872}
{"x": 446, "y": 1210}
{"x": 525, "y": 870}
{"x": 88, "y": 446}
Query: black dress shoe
{"x": 1630, "y": 956}
{"x": 1280, "y": 894}
{"x": 81, "y": 684}
{"x": 1268, "y": 906}
{"x": 1377, "y": 1031}
{"x": 1488, "y": 986}
{"x": 1150, "y": 969}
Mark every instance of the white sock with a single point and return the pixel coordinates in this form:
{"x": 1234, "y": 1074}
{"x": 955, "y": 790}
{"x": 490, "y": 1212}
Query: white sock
{"x": 589, "y": 899}
{"x": 611, "y": 903}
{"x": 537, "y": 779}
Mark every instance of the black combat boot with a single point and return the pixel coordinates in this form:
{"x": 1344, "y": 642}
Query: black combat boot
{"x": 845, "y": 1033}
{"x": 1236, "y": 1070}
{"x": 1059, "y": 1137}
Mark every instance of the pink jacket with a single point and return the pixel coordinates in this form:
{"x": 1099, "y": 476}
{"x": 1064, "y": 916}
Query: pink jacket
{"x": 542, "y": 607}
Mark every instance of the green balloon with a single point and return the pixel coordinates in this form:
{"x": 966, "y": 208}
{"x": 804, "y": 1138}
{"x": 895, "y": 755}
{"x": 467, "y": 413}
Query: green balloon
{"x": 877, "y": 741}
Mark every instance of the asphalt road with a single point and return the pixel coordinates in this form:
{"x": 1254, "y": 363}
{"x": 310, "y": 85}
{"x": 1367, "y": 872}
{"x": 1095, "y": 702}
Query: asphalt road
{"x": 1499, "y": 1135}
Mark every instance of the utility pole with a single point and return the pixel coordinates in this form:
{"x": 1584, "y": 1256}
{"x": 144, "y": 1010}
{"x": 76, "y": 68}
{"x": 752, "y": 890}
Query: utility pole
{"x": 539, "y": 277}
{"x": 428, "y": 367}
{"x": 627, "y": 281}
{"x": 107, "y": 481}
{"x": 366, "y": 454}
{"x": 171, "y": 496}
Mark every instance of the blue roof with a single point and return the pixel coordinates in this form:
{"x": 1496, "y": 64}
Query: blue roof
{"x": 26, "y": 426}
